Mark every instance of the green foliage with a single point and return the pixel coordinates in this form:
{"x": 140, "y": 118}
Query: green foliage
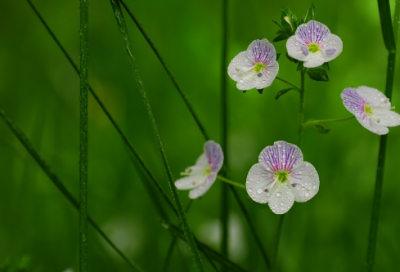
{"x": 282, "y": 92}
{"x": 318, "y": 74}
{"x": 310, "y": 14}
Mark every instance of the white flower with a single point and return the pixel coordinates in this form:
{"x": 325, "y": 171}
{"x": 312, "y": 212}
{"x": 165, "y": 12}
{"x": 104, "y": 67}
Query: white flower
{"x": 202, "y": 175}
{"x": 255, "y": 68}
{"x": 281, "y": 177}
{"x": 314, "y": 44}
{"x": 371, "y": 108}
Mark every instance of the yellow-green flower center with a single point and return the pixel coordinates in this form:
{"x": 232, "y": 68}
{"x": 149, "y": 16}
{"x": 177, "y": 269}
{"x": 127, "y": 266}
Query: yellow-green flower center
{"x": 207, "y": 171}
{"x": 259, "y": 67}
{"x": 368, "y": 109}
{"x": 313, "y": 47}
{"x": 282, "y": 176}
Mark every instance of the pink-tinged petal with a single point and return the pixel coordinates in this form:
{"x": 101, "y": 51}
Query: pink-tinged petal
{"x": 387, "y": 118}
{"x": 332, "y": 48}
{"x": 373, "y": 97}
{"x": 313, "y": 32}
{"x": 259, "y": 184}
{"x": 190, "y": 182}
{"x": 262, "y": 51}
{"x": 304, "y": 182}
{"x": 204, "y": 187}
{"x": 282, "y": 199}
{"x": 214, "y": 155}
{"x": 280, "y": 156}
{"x": 353, "y": 101}
{"x": 373, "y": 126}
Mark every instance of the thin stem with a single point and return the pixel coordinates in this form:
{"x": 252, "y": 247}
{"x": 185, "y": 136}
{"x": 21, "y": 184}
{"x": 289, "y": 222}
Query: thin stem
{"x": 299, "y": 139}
{"x": 224, "y": 213}
{"x": 83, "y": 154}
{"x": 169, "y": 72}
{"x": 188, "y": 233}
{"x": 58, "y": 183}
{"x": 287, "y": 82}
{"x": 107, "y": 113}
{"x": 396, "y": 21}
{"x": 315, "y": 122}
{"x": 231, "y": 182}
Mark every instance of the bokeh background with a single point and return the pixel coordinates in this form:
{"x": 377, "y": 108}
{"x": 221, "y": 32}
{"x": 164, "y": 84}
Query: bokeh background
{"x": 39, "y": 90}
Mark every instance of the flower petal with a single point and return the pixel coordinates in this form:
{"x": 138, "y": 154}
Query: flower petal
{"x": 374, "y": 97}
{"x": 314, "y": 60}
{"x": 295, "y": 48}
{"x": 353, "y": 101}
{"x": 203, "y": 187}
{"x": 281, "y": 156}
{"x": 214, "y": 155}
{"x": 333, "y": 47}
{"x": 202, "y": 161}
{"x": 190, "y": 182}
{"x": 313, "y": 32}
{"x": 282, "y": 199}
{"x": 372, "y": 125}
{"x": 304, "y": 182}
{"x": 262, "y": 51}
{"x": 239, "y": 66}
{"x": 387, "y": 118}
{"x": 258, "y": 183}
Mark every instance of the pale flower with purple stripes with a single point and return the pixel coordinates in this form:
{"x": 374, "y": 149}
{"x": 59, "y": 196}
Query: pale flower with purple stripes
{"x": 281, "y": 177}
{"x": 203, "y": 174}
{"x": 371, "y": 108}
{"x": 314, "y": 44}
{"x": 255, "y": 68}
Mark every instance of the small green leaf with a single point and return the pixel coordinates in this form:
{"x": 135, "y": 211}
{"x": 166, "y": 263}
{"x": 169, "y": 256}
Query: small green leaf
{"x": 278, "y": 55}
{"x": 260, "y": 91}
{"x": 282, "y": 92}
{"x": 280, "y": 38}
{"x": 290, "y": 58}
{"x": 310, "y": 14}
{"x": 275, "y": 22}
{"x": 300, "y": 66}
{"x": 318, "y": 74}
{"x": 325, "y": 66}
{"x": 322, "y": 128}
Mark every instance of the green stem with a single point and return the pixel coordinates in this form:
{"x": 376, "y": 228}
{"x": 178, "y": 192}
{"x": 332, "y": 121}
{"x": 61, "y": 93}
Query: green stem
{"x": 169, "y": 72}
{"x": 315, "y": 122}
{"x": 107, "y": 113}
{"x": 287, "y": 82}
{"x": 231, "y": 182}
{"x": 83, "y": 154}
{"x": 188, "y": 233}
{"x": 58, "y": 183}
{"x": 224, "y": 213}
{"x": 390, "y": 43}
{"x": 299, "y": 139}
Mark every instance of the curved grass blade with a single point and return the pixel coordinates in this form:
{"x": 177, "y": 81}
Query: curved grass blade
{"x": 389, "y": 38}
{"x": 170, "y": 74}
{"x": 83, "y": 136}
{"x": 188, "y": 233}
{"x": 107, "y": 113}
{"x": 204, "y": 248}
{"x": 57, "y": 182}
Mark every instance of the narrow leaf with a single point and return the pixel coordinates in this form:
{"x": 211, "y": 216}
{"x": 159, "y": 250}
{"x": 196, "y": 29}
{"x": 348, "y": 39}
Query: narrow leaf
{"x": 282, "y": 92}
{"x": 275, "y": 22}
{"x": 322, "y": 128}
{"x": 318, "y": 74}
{"x": 278, "y": 55}
{"x": 280, "y": 38}
{"x": 386, "y": 24}
{"x": 310, "y": 14}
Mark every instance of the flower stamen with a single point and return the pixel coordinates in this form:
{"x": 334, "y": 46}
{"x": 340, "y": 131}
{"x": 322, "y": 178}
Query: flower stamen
{"x": 313, "y": 47}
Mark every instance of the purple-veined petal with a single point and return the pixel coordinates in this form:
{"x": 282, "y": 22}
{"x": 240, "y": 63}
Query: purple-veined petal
{"x": 281, "y": 156}
{"x": 262, "y": 51}
{"x": 281, "y": 200}
{"x": 259, "y": 183}
{"x": 374, "y": 97}
{"x": 332, "y": 47}
{"x": 294, "y": 48}
{"x": 373, "y": 126}
{"x": 353, "y": 101}
{"x": 239, "y": 66}
{"x": 304, "y": 182}
{"x": 204, "y": 187}
{"x": 387, "y": 117}
{"x": 313, "y": 32}
{"x": 214, "y": 155}
{"x": 190, "y": 182}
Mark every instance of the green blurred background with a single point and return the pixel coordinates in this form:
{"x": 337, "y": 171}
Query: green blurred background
{"x": 39, "y": 90}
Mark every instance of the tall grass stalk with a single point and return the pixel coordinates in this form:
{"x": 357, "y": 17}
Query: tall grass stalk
{"x": 27, "y": 144}
{"x": 188, "y": 233}
{"x": 83, "y": 133}
{"x": 389, "y": 37}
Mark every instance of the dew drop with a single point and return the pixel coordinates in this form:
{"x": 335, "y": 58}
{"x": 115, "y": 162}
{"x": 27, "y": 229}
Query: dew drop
{"x": 259, "y": 191}
{"x": 278, "y": 194}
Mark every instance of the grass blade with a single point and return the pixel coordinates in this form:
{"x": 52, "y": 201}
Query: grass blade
{"x": 57, "y": 182}
{"x": 389, "y": 38}
{"x": 169, "y": 72}
{"x": 188, "y": 233}
{"x": 83, "y": 132}
{"x": 105, "y": 110}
